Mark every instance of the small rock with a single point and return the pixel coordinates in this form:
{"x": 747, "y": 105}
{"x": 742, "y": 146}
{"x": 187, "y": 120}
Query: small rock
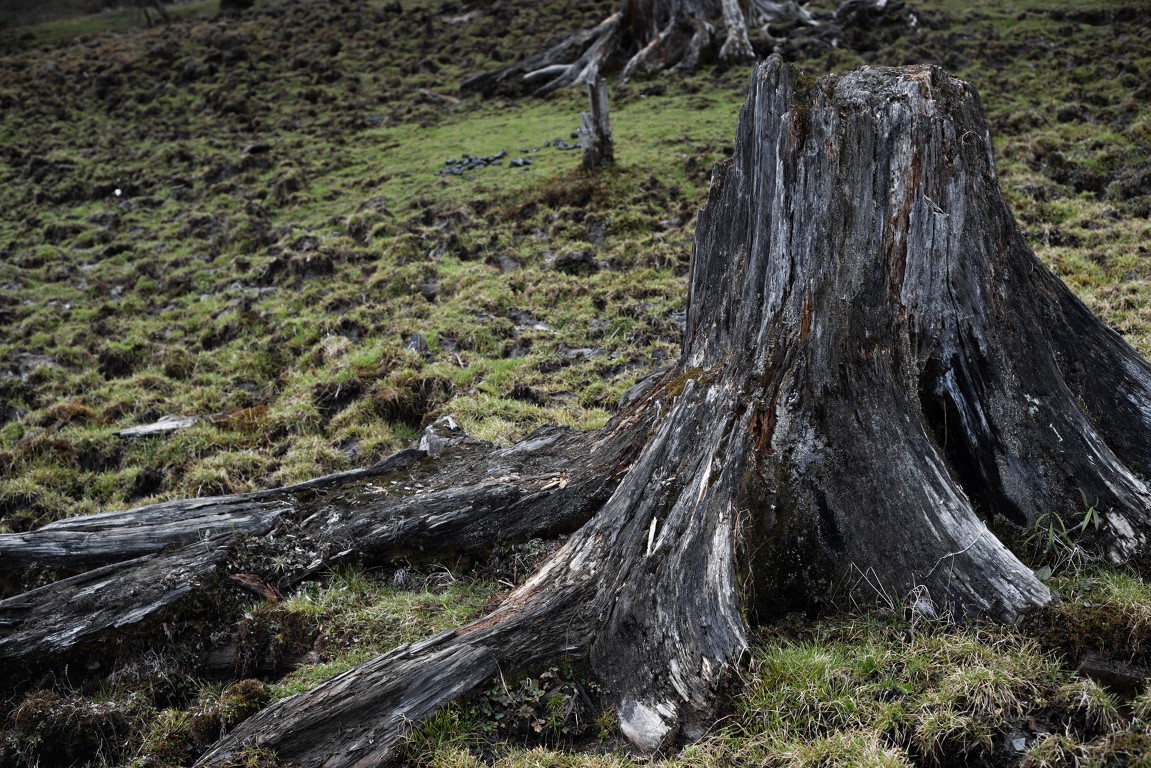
{"x": 440, "y": 434}
{"x": 1019, "y": 745}
{"x": 417, "y": 344}
{"x": 350, "y": 448}
{"x": 923, "y": 606}
{"x": 586, "y": 353}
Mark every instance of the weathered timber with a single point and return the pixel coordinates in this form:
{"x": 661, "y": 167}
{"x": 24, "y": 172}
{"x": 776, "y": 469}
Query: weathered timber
{"x": 408, "y": 507}
{"x": 116, "y": 536}
{"x": 595, "y": 129}
{"x": 55, "y": 618}
{"x": 163, "y": 426}
{"x": 880, "y": 390}
{"x": 113, "y": 536}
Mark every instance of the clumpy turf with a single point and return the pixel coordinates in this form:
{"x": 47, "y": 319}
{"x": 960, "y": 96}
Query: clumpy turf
{"x": 246, "y": 220}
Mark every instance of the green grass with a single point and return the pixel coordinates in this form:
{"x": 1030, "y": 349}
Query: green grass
{"x": 61, "y": 21}
{"x": 863, "y": 690}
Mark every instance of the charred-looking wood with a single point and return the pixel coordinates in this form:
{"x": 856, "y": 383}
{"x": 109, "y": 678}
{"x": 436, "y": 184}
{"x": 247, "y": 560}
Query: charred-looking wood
{"x": 875, "y": 367}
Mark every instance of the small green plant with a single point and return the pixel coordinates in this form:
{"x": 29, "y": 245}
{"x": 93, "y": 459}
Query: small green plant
{"x": 1052, "y": 750}
{"x": 1054, "y": 545}
{"x": 1091, "y": 518}
{"x": 606, "y": 724}
{"x": 450, "y": 733}
{"x": 551, "y": 706}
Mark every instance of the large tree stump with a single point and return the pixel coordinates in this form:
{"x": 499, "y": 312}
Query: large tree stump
{"x": 880, "y": 392}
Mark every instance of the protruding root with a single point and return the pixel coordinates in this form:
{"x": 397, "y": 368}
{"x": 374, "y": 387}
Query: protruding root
{"x": 358, "y": 718}
{"x": 576, "y": 60}
{"x": 737, "y": 47}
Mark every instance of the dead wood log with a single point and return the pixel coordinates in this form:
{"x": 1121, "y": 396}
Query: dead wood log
{"x": 595, "y": 129}
{"x": 406, "y": 508}
{"x": 114, "y": 536}
{"x": 878, "y": 381}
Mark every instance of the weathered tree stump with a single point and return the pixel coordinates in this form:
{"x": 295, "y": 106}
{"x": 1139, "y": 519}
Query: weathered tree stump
{"x": 881, "y": 391}
{"x": 595, "y": 129}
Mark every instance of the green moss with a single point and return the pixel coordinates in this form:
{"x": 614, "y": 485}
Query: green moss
{"x": 1104, "y": 612}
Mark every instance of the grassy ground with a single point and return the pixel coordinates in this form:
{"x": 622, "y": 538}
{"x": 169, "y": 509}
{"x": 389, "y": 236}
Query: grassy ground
{"x": 245, "y": 221}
